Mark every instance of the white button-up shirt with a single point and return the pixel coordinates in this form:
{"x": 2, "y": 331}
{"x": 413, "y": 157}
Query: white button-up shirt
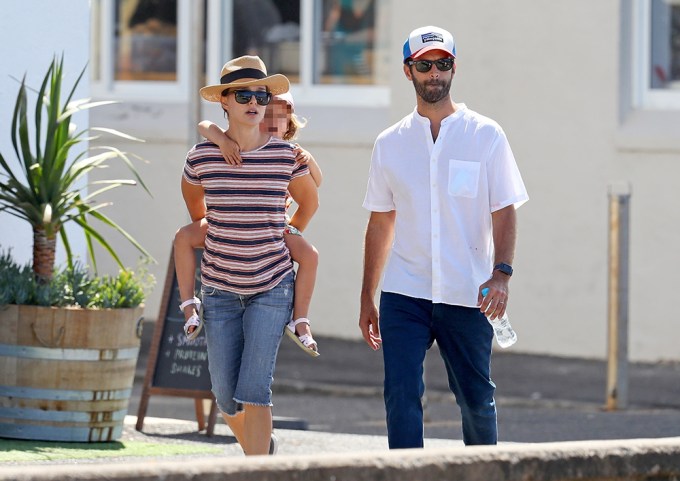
{"x": 443, "y": 193}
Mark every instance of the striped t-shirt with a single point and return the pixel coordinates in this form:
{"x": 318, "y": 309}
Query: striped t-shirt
{"x": 244, "y": 249}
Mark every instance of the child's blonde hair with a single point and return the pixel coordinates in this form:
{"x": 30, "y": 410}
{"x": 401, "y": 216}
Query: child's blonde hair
{"x": 294, "y": 124}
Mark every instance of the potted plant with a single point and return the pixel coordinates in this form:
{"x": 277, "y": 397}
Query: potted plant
{"x": 68, "y": 340}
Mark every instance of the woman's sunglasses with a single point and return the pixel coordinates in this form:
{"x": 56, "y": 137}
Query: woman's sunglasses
{"x": 422, "y": 66}
{"x": 244, "y": 96}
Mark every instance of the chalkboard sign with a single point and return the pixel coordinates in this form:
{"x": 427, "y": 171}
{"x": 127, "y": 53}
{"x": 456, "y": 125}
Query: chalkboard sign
{"x": 181, "y": 363}
{"x": 177, "y": 366}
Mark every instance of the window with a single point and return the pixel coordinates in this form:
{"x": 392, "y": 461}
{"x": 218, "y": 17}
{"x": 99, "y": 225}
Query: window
{"x": 333, "y": 51}
{"x": 145, "y": 40}
{"x": 140, "y": 48}
{"x": 657, "y": 59}
{"x": 345, "y": 40}
{"x": 270, "y": 30}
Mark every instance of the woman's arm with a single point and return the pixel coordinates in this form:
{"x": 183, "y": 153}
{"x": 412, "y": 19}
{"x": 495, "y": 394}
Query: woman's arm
{"x": 315, "y": 171}
{"x": 305, "y": 157}
{"x": 194, "y": 198}
{"x": 304, "y": 192}
{"x": 186, "y": 239}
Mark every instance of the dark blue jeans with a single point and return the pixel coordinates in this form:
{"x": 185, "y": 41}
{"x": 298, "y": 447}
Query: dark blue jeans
{"x": 408, "y": 327}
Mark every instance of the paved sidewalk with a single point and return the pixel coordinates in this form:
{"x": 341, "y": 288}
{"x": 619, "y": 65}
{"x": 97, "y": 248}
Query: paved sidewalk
{"x": 337, "y": 397}
{"x": 540, "y": 398}
{"x": 291, "y": 441}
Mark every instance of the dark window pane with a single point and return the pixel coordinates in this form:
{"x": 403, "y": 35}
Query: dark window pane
{"x": 345, "y": 53}
{"x": 145, "y": 40}
{"x": 269, "y": 29}
{"x": 665, "y": 45}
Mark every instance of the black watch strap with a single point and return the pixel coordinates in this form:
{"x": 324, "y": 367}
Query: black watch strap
{"x": 504, "y": 268}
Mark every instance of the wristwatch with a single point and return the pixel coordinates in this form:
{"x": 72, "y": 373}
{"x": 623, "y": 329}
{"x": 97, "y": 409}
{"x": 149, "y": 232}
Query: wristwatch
{"x": 504, "y": 268}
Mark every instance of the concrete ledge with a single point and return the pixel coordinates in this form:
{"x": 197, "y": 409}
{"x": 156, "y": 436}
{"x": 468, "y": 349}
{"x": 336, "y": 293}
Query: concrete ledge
{"x": 624, "y": 460}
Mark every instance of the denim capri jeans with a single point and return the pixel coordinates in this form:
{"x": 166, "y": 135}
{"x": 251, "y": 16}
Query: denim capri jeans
{"x": 243, "y": 334}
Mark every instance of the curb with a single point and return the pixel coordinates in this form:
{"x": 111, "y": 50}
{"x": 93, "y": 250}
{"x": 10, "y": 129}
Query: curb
{"x": 639, "y": 459}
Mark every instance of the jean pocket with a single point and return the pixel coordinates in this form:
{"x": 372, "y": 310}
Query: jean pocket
{"x": 463, "y": 178}
{"x": 280, "y": 296}
{"x": 207, "y": 291}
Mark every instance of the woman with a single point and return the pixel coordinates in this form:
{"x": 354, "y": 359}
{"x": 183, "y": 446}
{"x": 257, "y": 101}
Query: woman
{"x": 246, "y": 273}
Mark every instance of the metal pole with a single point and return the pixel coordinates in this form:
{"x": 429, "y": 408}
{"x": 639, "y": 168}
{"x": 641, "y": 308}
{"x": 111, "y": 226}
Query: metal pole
{"x": 617, "y": 351}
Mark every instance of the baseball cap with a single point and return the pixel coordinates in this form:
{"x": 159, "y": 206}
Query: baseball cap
{"x": 426, "y": 39}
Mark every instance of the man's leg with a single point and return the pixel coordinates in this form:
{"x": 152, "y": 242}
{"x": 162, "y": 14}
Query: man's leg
{"x": 405, "y": 330}
{"x": 464, "y": 338}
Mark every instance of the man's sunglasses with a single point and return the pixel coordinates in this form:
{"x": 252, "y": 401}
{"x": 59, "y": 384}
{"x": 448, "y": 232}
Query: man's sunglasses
{"x": 244, "y": 96}
{"x": 422, "y": 66}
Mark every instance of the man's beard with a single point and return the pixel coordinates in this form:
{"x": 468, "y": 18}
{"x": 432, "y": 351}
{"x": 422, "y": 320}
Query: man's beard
{"x": 429, "y": 95}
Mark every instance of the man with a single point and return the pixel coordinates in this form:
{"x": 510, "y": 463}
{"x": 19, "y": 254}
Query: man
{"x": 443, "y": 187}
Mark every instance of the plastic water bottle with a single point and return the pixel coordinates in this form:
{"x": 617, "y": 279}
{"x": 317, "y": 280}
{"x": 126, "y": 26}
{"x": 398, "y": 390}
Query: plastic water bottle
{"x": 505, "y": 334}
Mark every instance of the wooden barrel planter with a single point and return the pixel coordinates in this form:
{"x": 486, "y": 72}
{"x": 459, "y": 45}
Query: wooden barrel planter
{"x": 66, "y": 374}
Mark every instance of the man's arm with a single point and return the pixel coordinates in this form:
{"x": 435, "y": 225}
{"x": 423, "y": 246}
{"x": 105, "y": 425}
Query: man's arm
{"x": 504, "y": 223}
{"x": 379, "y": 235}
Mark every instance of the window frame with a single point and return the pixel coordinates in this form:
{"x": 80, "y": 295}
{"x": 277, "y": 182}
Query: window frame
{"x": 333, "y": 95}
{"x": 645, "y": 97}
{"x": 105, "y": 85}
{"x": 218, "y": 48}
{"x": 306, "y": 92}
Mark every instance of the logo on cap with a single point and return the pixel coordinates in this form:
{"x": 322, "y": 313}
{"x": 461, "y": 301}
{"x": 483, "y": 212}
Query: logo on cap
{"x": 432, "y": 37}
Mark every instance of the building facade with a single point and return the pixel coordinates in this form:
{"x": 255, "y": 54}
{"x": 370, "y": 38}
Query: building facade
{"x": 587, "y": 92}
{"x": 24, "y": 32}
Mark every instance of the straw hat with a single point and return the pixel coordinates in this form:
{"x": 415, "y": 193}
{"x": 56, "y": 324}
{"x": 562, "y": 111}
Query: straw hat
{"x": 243, "y": 72}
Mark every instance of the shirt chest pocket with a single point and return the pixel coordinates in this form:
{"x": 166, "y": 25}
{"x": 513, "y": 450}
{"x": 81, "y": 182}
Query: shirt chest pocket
{"x": 463, "y": 178}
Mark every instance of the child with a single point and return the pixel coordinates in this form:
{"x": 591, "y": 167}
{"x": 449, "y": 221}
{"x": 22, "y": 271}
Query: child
{"x": 280, "y": 121}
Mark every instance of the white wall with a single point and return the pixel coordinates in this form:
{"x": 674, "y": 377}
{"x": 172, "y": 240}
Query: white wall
{"x": 31, "y": 33}
{"x": 526, "y": 67}
{"x": 550, "y": 74}
{"x": 151, "y": 220}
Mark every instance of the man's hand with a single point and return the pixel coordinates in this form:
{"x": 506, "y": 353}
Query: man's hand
{"x": 495, "y": 301}
{"x": 379, "y": 236}
{"x": 368, "y": 323}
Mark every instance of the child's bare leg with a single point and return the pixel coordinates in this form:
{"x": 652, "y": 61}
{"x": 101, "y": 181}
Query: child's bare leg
{"x": 188, "y": 238}
{"x": 307, "y": 258}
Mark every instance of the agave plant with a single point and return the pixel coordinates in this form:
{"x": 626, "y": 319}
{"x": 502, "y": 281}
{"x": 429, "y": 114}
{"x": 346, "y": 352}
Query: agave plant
{"x": 46, "y": 188}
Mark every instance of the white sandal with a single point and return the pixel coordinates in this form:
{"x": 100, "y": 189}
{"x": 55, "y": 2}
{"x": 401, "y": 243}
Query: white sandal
{"x": 195, "y": 319}
{"x": 305, "y": 341}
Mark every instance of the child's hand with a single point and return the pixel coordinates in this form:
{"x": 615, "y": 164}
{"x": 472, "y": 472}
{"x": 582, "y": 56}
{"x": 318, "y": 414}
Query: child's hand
{"x": 301, "y": 155}
{"x": 230, "y": 150}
